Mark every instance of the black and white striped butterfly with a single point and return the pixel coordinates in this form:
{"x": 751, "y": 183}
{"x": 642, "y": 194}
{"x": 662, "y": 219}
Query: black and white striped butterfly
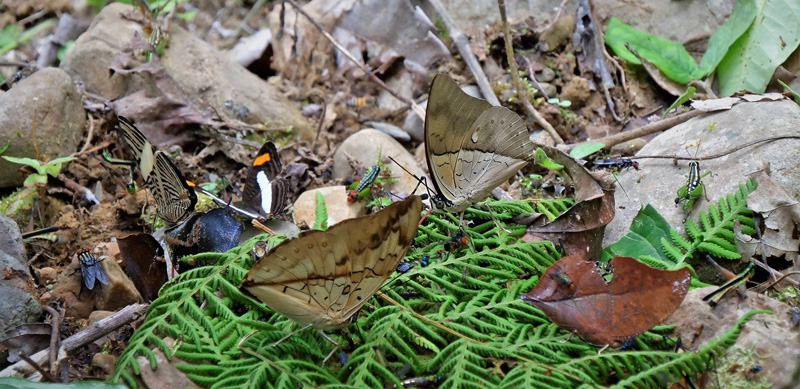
{"x": 265, "y": 194}
{"x": 175, "y": 199}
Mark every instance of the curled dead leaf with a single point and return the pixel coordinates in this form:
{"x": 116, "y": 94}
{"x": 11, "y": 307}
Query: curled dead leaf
{"x": 581, "y": 227}
{"x": 574, "y": 295}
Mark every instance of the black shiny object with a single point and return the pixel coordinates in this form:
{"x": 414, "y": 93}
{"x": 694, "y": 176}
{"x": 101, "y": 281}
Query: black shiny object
{"x": 216, "y": 231}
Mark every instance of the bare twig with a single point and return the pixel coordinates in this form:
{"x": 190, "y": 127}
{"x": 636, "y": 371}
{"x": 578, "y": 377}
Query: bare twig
{"x": 256, "y": 7}
{"x": 55, "y": 324}
{"x": 461, "y": 41}
{"x": 555, "y": 19}
{"x": 74, "y": 342}
{"x": 721, "y": 153}
{"x": 417, "y": 109}
{"x": 522, "y": 92}
{"x": 321, "y": 120}
{"x": 651, "y": 128}
{"x": 88, "y": 134}
{"x": 760, "y": 289}
{"x": 35, "y": 366}
{"x": 4, "y": 63}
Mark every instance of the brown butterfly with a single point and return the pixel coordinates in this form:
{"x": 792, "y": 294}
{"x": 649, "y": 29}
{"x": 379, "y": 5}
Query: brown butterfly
{"x": 470, "y": 145}
{"x": 321, "y": 279}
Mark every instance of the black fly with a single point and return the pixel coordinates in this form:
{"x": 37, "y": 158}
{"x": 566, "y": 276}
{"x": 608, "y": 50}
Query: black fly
{"x": 91, "y": 269}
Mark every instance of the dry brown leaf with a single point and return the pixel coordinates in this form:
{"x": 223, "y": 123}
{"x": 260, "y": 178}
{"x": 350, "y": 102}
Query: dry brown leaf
{"x": 581, "y": 227}
{"x": 575, "y": 296}
{"x": 781, "y": 213}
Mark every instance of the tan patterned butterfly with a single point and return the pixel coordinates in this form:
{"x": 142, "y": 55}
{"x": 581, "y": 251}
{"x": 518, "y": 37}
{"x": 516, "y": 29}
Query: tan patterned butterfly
{"x": 470, "y": 145}
{"x": 321, "y": 279}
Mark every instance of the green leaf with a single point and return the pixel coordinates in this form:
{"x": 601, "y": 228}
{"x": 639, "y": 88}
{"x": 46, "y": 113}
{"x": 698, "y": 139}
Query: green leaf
{"x": 3, "y": 150}
{"x": 647, "y": 230}
{"x": 35, "y": 180}
{"x": 681, "y": 99}
{"x": 741, "y": 17}
{"x": 585, "y": 149}
{"x": 28, "y": 162}
{"x": 783, "y": 84}
{"x": 541, "y": 159}
{"x": 753, "y": 58}
{"x": 53, "y": 167}
{"x": 321, "y": 212}
{"x": 671, "y": 58}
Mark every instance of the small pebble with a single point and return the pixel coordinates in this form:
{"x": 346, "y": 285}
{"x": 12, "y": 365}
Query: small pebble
{"x": 47, "y": 274}
{"x": 107, "y": 362}
{"x": 391, "y": 130}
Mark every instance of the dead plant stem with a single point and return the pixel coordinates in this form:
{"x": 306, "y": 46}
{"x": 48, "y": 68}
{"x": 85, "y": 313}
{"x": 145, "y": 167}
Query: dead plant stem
{"x": 522, "y": 94}
{"x": 414, "y": 106}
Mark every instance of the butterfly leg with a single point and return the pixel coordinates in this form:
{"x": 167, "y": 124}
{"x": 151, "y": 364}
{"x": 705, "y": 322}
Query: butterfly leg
{"x": 335, "y": 346}
{"x": 290, "y": 334}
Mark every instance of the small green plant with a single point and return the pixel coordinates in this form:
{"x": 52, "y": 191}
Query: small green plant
{"x": 752, "y": 26}
{"x": 34, "y": 184}
{"x": 39, "y": 177}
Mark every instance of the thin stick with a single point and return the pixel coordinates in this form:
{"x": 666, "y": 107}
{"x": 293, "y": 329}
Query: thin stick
{"x": 35, "y": 366}
{"x": 55, "y": 324}
{"x": 417, "y": 109}
{"x": 74, "y": 342}
{"x": 89, "y": 134}
{"x": 722, "y": 153}
{"x": 461, "y": 42}
{"x": 33, "y": 135}
{"x": 651, "y": 128}
{"x": 256, "y": 7}
{"x": 423, "y": 318}
{"x": 555, "y": 19}
{"x": 522, "y": 92}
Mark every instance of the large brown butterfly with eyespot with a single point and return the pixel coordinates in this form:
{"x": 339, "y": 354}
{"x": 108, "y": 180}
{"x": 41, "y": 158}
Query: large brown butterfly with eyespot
{"x": 322, "y": 278}
{"x": 175, "y": 199}
{"x": 471, "y": 146}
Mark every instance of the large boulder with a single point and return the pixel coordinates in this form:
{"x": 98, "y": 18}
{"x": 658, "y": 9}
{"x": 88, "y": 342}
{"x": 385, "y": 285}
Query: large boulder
{"x": 50, "y": 96}
{"x": 658, "y": 180}
{"x": 206, "y": 77}
{"x": 19, "y": 304}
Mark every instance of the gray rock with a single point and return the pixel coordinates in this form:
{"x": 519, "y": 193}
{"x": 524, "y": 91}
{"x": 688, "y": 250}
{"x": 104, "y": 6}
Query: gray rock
{"x": 60, "y": 121}
{"x": 364, "y": 147}
{"x": 675, "y": 20}
{"x": 17, "y": 307}
{"x": 769, "y": 336}
{"x": 403, "y": 83}
{"x": 250, "y": 48}
{"x": 208, "y": 78}
{"x": 391, "y": 130}
{"x": 336, "y": 204}
{"x": 414, "y": 125}
{"x": 12, "y": 251}
{"x": 658, "y": 180}
{"x": 548, "y": 90}
{"x": 546, "y": 75}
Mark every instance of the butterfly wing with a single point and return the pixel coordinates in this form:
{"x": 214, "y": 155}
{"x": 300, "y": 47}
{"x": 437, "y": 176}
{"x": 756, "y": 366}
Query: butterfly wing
{"x": 263, "y": 190}
{"x": 471, "y": 146}
{"x": 134, "y": 138}
{"x": 175, "y": 199}
{"x": 322, "y": 278}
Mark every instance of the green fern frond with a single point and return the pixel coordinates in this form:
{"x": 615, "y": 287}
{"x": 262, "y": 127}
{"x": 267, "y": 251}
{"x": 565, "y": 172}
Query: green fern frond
{"x": 320, "y": 213}
{"x": 715, "y": 234}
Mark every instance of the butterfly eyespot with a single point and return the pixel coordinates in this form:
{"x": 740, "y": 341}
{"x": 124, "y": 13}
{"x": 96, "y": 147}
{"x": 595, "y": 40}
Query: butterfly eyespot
{"x": 502, "y": 122}
{"x": 310, "y": 245}
{"x": 474, "y": 137}
{"x": 324, "y": 244}
{"x": 358, "y": 298}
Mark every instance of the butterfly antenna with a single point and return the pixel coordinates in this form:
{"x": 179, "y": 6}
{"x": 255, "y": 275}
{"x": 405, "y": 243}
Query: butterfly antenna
{"x": 420, "y": 180}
